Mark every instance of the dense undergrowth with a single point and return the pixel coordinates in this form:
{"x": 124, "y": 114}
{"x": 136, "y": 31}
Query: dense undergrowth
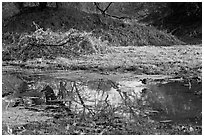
{"x": 76, "y": 40}
{"x": 181, "y": 19}
{"x": 91, "y": 31}
{"x": 103, "y": 118}
{"x": 49, "y": 44}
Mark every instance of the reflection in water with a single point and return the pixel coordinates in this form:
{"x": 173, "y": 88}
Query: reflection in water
{"x": 175, "y": 101}
{"x": 104, "y": 85}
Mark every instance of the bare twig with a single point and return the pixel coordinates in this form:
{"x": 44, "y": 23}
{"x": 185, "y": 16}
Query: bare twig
{"x": 81, "y": 100}
{"x": 125, "y": 100}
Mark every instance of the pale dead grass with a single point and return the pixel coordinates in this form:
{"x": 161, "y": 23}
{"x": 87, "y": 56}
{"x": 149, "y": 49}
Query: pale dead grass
{"x": 161, "y": 60}
{"x": 156, "y": 60}
{"x": 16, "y": 116}
{"x": 185, "y": 60}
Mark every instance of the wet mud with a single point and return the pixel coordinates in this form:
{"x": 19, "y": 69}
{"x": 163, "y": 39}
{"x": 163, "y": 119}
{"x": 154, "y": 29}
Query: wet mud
{"x": 170, "y": 101}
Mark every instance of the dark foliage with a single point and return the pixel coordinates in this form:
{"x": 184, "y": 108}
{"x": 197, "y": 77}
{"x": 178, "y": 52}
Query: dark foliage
{"x": 183, "y": 19}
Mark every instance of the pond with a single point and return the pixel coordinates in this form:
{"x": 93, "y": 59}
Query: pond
{"x": 175, "y": 101}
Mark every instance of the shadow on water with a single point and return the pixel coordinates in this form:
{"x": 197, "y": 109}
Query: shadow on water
{"x": 173, "y": 101}
{"x": 176, "y": 101}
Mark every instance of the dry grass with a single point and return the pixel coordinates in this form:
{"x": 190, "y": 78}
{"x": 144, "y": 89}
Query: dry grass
{"x": 115, "y": 31}
{"x": 185, "y": 60}
{"x": 144, "y": 60}
{"x": 15, "y": 117}
{"x": 49, "y": 44}
{"x": 174, "y": 60}
{"x": 151, "y": 60}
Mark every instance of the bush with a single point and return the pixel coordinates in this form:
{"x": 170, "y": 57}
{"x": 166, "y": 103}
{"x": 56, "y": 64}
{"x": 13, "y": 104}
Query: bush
{"x": 49, "y": 44}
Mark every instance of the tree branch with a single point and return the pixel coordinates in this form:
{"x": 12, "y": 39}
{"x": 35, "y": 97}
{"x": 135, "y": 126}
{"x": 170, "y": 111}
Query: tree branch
{"x": 104, "y": 13}
{"x": 108, "y": 6}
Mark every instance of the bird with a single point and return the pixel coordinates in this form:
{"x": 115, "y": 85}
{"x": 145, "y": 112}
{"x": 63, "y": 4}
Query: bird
{"x": 135, "y": 86}
{"x": 144, "y": 81}
{"x": 134, "y": 83}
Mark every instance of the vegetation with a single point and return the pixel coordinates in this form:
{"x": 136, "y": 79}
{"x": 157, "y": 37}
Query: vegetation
{"x": 48, "y": 44}
{"x": 180, "y": 19}
{"x": 57, "y": 48}
{"x": 42, "y": 31}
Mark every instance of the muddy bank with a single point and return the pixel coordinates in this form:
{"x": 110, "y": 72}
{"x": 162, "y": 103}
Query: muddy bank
{"x": 109, "y": 97}
{"x": 180, "y": 61}
{"x": 160, "y": 101}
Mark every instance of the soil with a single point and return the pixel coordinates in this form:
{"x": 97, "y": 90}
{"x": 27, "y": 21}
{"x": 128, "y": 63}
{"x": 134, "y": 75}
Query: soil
{"x": 143, "y": 54}
{"x": 156, "y": 64}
